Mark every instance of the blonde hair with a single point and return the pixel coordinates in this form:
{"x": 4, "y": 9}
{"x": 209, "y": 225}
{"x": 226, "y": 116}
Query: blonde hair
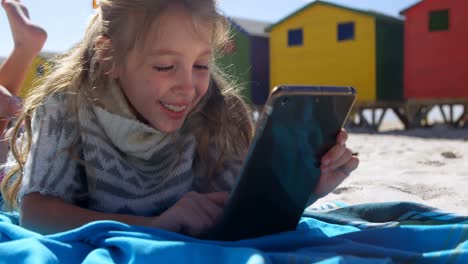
{"x": 221, "y": 121}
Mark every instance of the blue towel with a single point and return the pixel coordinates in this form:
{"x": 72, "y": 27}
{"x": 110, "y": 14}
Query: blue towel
{"x": 368, "y": 233}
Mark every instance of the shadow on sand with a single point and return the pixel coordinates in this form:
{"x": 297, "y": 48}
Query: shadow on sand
{"x": 438, "y": 131}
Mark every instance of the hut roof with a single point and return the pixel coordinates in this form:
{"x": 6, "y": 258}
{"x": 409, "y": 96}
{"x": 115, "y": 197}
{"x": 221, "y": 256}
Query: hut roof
{"x": 402, "y": 12}
{"x": 251, "y": 27}
{"x": 45, "y": 54}
{"x": 49, "y": 54}
{"x": 318, "y": 2}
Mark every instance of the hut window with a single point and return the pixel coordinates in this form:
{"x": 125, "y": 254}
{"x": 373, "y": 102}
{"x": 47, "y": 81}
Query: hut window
{"x": 345, "y": 31}
{"x": 295, "y": 37}
{"x": 40, "y": 70}
{"x": 439, "y": 20}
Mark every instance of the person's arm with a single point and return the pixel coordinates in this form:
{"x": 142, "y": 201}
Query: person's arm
{"x": 12, "y": 74}
{"x": 46, "y": 215}
{"x": 28, "y": 41}
{"x": 14, "y": 69}
{"x": 192, "y": 214}
{"x": 9, "y": 106}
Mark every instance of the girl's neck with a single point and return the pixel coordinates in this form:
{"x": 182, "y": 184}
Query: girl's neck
{"x": 111, "y": 98}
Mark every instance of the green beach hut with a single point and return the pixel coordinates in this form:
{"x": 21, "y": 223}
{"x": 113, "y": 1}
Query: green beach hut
{"x": 246, "y": 58}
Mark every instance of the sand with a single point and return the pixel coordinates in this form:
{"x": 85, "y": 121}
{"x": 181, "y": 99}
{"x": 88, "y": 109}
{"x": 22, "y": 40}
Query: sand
{"x": 428, "y": 166}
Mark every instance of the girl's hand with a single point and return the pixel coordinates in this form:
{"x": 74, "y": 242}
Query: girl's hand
{"x": 337, "y": 165}
{"x": 193, "y": 214}
{"x": 10, "y": 105}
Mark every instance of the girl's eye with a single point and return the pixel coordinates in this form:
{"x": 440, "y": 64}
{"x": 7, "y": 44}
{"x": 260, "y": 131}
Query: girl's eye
{"x": 163, "y": 69}
{"x": 201, "y": 67}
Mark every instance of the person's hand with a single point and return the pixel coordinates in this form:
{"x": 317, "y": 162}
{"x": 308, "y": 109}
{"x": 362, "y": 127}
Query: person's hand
{"x": 10, "y": 105}
{"x": 193, "y": 213}
{"x": 337, "y": 165}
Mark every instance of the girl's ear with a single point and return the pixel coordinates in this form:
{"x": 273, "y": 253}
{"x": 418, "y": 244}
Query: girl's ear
{"x": 104, "y": 54}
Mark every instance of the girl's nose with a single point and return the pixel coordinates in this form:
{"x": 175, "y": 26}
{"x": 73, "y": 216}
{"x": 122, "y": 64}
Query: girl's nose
{"x": 186, "y": 85}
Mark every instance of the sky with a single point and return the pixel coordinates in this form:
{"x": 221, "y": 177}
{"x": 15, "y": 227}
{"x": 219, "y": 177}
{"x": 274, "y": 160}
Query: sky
{"x": 65, "y": 20}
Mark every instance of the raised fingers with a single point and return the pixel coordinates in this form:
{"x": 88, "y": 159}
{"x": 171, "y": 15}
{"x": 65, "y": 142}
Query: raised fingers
{"x": 344, "y": 156}
{"x": 350, "y": 166}
{"x": 332, "y": 155}
{"x": 342, "y": 137}
{"x": 330, "y": 180}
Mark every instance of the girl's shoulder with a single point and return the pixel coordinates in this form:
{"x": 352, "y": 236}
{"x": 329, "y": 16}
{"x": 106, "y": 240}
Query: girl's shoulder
{"x": 61, "y": 98}
{"x": 55, "y": 109}
{"x": 58, "y": 102}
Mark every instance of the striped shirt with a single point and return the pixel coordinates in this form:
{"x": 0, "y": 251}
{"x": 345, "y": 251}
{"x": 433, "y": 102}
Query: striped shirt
{"x": 111, "y": 162}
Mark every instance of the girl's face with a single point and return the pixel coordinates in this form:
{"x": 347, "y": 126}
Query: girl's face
{"x": 165, "y": 82}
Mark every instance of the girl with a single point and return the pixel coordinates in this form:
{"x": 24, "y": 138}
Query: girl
{"x": 137, "y": 125}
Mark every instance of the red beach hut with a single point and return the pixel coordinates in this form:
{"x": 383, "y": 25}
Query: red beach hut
{"x": 436, "y": 50}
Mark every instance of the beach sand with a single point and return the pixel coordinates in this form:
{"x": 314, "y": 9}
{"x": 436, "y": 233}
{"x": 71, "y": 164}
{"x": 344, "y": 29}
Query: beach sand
{"x": 428, "y": 166}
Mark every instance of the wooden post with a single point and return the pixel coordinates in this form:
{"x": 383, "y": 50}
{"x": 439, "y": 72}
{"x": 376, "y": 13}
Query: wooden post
{"x": 373, "y": 117}
{"x": 444, "y": 116}
{"x": 400, "y": 113}
{"x": 452, "y": 121}
{"x": 463, "y": 120}
{"x": 384, "y": 110}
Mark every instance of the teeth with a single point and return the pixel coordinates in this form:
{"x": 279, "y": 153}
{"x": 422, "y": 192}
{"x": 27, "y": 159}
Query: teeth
{"x": 175, "y": 108}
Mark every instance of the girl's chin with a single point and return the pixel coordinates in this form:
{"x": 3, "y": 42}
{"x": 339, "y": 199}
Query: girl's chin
{"x": 168, "y": 126}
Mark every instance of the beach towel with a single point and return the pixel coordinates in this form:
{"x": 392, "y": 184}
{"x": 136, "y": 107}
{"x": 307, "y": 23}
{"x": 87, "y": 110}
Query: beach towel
{"x": 367, "y": 233}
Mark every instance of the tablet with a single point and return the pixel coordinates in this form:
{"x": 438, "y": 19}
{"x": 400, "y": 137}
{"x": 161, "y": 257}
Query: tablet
{"x": 298, "y": 125}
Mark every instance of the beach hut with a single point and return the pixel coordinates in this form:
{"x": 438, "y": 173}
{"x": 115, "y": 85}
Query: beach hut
{"x": 436, "y": 53}
{"x": 329, "y": 44}
{"x": 40, "y": 66}
{"x": 246, "y": 58}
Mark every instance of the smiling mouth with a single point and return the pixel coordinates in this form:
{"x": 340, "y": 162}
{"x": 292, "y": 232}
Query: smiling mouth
{"x": 174, "y": 108}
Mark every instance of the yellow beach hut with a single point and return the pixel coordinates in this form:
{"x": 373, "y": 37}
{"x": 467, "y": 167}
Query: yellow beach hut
{"x": 40, "y": 67}
{"x": 329, "y": 44}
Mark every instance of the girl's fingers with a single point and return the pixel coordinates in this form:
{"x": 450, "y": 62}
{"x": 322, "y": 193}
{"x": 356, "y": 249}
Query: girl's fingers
{"x": 209, "y": 209}
{"x": 15, "y": 105}
{"x": 336, "y": 151}
{"x": 346, "y": 155}
{"x": 194, "y": 220}
{"x": 332, "y": 155}
{"x": 329, "y": 181}
{"x": 350, "y": 166}
{"x": 10, "y": 105}
{"x": 219, "y": 198}
{"x": 199, "y": 212}
{"x": 342, "y": 137}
